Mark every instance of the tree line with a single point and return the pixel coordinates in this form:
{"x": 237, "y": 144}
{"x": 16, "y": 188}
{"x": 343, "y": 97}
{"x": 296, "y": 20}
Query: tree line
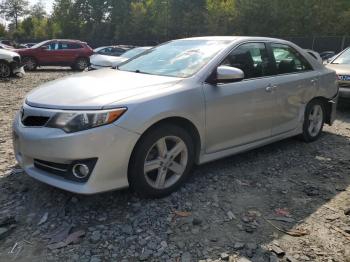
{"x": 133, "y": 21}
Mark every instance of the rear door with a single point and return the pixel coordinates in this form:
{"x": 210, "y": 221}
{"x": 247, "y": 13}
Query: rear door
{"x": 242, "y": 112}
{"x": 68, "y": 52}
{"x": 295, "y": 83}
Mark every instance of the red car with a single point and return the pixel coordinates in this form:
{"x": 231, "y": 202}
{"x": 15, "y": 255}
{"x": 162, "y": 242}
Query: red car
{"x": 71, "y": 53}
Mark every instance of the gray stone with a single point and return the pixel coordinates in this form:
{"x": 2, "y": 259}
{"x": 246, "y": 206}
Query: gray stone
{"x": 224, "y": 256}
{"x": 96, "y": 236}
{"x": 243, "y": 259}
{"x": 277, "y": 250}
{"x": 126, "y": 229}
{"x": 3, "y": 232}
{"x": 95, "y": 259}
{"x": 239, "y": 245}
{"x": 186, "y": 257}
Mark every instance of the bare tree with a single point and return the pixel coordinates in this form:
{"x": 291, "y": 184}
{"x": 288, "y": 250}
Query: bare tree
{"x": 14, "y": 9}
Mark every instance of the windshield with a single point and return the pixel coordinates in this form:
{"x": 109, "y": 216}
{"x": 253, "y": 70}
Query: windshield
{"x": 181, "y": 58}
{"x": 134, "y": 52}
{"x": 344, "y": 58}
{"x": 40, "y": 44}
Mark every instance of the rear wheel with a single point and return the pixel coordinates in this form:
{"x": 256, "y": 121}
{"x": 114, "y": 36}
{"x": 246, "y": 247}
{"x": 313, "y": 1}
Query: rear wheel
{"x": 5, "y": 70}
{"x": 161, "y": 161}
{"x": 314, "y": 121}
{"x": 81, "y": 64}
{"x": 30, "y": 63}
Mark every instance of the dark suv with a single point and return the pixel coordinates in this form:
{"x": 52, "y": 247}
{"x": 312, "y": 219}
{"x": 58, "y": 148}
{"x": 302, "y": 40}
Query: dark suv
{"x": 71, "y": 53}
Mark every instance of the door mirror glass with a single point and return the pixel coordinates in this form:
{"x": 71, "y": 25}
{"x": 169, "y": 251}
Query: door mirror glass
{"x": 227, "y": 74}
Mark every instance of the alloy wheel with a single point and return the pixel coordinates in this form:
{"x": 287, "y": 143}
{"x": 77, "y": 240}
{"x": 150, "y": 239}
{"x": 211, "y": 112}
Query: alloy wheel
{"x": 29, "y": 64}
{"x": 166, "y": 162}
{"x": 315, "y": 120}
{"x": 5, "y": 70}
{"x": 82, "y": 64}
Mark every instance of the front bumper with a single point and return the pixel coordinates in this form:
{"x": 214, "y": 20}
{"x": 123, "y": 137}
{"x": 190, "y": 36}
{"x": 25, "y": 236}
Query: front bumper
{"x": 344, "y": 92}
{"x": 344, "y": 89}
{"x": 17, "y": 68}
{"x": 97, "y": 67}
{"x": 110, "y": 145}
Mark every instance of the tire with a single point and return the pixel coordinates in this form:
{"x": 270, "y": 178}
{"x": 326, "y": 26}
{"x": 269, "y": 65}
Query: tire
{"x": 81, "y": 64}
{"x": 30, "y": 63}
{"x": 155, "y": 171}
{"x": 5, "y": 70}
{"x": 313, "y": 121}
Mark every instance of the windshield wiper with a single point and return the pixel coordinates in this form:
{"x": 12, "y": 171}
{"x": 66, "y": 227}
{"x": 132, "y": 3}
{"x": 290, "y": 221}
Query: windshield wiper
{"x": 141, "y": 72}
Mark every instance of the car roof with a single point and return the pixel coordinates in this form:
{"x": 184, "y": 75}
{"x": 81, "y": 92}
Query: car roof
{"x": 234, "y": 38}
{"x": 68, "y": 40}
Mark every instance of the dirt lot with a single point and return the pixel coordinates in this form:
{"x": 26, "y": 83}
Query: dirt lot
{"x": 284, "y": 202}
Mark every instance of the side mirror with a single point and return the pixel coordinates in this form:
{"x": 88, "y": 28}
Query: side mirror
{"x": 228, "y": 74}
{"x": 44, "y": 47}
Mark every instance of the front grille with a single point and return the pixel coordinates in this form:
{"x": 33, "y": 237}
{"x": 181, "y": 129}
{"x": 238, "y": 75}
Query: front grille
{"x": 35, "y": 121}
{"x": 53, "y": 168}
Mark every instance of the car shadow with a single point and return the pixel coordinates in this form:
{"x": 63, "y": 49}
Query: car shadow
{"x": 52, "y": 69}
{"x": 232, "y": 205}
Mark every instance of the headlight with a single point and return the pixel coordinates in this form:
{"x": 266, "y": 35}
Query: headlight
{"x": 72, "y": 122}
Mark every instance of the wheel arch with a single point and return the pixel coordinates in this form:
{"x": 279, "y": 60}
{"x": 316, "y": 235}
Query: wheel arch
{"x": 327, "y": 107}
{"x": 182, "y": 122}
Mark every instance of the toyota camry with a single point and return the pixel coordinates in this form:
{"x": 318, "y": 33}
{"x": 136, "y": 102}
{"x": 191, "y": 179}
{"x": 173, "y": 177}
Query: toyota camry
{"x": 146, "y": 124}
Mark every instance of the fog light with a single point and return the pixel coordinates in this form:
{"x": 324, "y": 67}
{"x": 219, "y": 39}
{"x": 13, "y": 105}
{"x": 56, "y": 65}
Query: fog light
{"x": 80, "y": 171}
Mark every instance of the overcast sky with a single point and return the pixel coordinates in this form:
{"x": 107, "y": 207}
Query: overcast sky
{"x": 47, "y": 3}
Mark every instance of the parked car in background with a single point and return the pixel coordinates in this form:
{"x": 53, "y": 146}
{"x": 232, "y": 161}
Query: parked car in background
{"x": 10, "y": 63}
{"x": 98, "y": 61}
{"x": 188, "y": 101}
{"x": 3, "y": 46}
{"x": 73, "y": 53}
{"x": 29, "y": 45}
{"x": 315, "y": 55}
{"x": 327, "y": 55}
{"x": 341, "y": 65}
{"x": 112, "y": 50}
{"x": 8, "y": 42}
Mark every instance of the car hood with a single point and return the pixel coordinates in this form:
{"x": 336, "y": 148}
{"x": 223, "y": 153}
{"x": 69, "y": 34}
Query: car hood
{"x": 105, "y": 60}
{"x": 96, "y": 89}
{"x": 7, "y": 53}
{"x": 340, "y": 69}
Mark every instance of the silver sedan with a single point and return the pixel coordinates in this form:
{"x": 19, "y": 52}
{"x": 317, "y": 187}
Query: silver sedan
{"x": 186, "y": 102}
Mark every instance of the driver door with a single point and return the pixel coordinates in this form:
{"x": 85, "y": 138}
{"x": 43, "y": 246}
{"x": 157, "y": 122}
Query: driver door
{"x": 49, "y": 55}
{"x": 240, "y": 113}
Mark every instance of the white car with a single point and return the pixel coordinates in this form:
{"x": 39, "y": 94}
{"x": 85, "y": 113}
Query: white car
{"x": 98, "y": 61}
{"x": 10, "y": 63}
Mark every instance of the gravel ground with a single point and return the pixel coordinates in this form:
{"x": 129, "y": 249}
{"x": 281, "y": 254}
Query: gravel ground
{"x": 288, "y": 201}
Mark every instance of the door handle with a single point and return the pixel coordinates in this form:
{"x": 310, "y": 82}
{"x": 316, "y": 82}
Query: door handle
{"x": 313, "y": 81}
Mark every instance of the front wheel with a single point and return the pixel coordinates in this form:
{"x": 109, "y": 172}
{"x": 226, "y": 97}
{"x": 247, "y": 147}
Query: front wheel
{"x": 5, "y": 70}
{"x": 161, "y": 161}
{"x": 30, "y": 63}
{"x": 314, "y": 121}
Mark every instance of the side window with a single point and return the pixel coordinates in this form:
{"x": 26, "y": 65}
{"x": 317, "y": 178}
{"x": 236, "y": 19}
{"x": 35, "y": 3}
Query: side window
{"x": 117, "y": 51}
{"x": 63, "y": 46}
{"x": 106, "y": 50}
{"x": 288, "y": 60}
{"x": 52, "y": 46}
{"x": 252, "y": 59}
{"x": 74, "y": 46}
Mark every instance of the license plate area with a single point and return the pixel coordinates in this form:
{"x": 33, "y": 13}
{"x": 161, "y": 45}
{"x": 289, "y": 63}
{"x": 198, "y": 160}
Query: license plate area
{"x": 344, "y": 77}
